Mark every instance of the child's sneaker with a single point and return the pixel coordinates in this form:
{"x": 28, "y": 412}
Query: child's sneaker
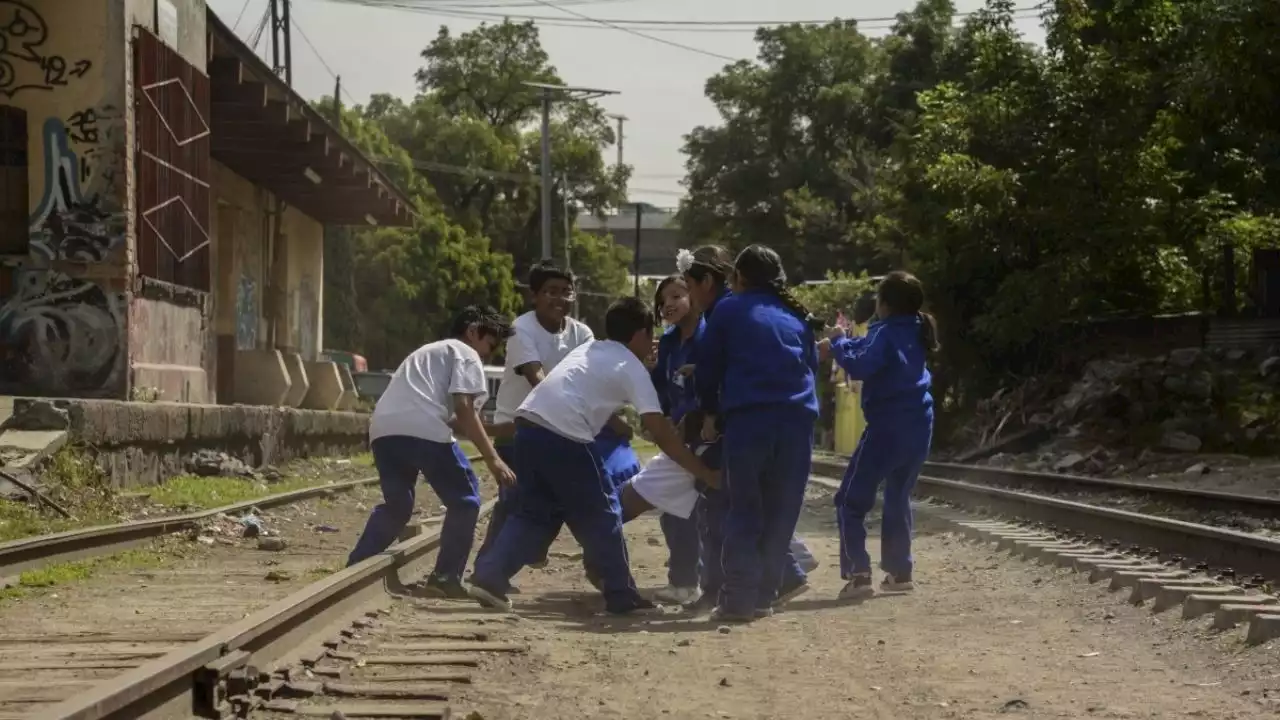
{"x": 637, "y": 607}
{"x": 706, "y": 602}
{"x": 897, "y": 583}
{"x": 725, "y": 616}
{"x": 790, "y": 592}
{"x": 678, "y": 595}
{"x": 443, "y": 586}
{"x": 764, "y": 612}
{"x": 489, "y": 598}
{"x": 858, "y": 588}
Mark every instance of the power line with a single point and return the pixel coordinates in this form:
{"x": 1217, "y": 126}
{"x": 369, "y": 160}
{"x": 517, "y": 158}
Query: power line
{"x": 240, "y": 16}
{"x": 316, "y": 51}
{"x": 637, "y": 33}
{"x": 581, "y": 20}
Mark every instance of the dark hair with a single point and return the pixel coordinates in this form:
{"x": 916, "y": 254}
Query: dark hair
{"x": 760, "y": 268}
{"x": 625, "y": 318}
{"x": 490, "y": 322}
{"x": 864, "y": 308}
{"x": 657, "y": 295}
{"x": 903, "y": 294}
{"x": 546, "y": 270}
{"x": 711, "y": 260}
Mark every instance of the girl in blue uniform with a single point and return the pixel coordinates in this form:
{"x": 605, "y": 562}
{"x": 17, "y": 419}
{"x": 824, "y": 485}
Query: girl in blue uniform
{"x": 756, "y": 379}
{"x": 891, "y": 361}
{"x": 673, "y": 378}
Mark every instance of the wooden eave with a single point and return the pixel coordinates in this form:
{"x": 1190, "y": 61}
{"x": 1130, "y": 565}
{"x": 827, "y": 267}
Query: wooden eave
{"x": 271, "y": 136}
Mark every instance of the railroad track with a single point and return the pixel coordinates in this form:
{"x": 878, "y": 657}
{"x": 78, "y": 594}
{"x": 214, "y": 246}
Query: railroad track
{"x": 17, "y": 556}
{"x": 1172, "y": 563}
{"x": 354, "y": 641}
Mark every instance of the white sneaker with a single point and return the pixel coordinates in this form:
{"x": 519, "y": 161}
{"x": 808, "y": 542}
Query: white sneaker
{"x": 678, "y": 595}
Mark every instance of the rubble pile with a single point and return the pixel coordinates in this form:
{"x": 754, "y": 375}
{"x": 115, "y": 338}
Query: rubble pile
{"x": 1188, "y": 401}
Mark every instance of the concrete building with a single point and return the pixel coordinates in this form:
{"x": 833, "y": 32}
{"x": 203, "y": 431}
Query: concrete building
{"x": 162, "y": 197}
{"x": 660, "y": 236}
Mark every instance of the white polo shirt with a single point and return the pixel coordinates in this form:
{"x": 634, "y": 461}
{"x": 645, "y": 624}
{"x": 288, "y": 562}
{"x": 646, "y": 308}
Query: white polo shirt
{"x": 533, "y": 343}
{"x": 418, "y": 402}
{"x": 587, "y": 387}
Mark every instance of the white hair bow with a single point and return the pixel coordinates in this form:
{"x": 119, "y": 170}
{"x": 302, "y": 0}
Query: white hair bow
{"x": 684, "y": 261}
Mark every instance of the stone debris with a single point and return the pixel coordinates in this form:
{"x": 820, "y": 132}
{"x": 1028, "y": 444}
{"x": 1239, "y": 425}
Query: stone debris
{"x": 211, "y": 463}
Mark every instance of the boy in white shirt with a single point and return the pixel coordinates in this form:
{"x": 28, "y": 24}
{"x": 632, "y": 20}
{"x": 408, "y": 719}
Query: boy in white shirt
{"x": 410, "y": 433}
{"x": 539, "y": 340}
{"x": 562, "y": 474}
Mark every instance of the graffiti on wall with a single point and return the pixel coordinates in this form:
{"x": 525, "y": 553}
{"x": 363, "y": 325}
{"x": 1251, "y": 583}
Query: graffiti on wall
{"x": 307, "y": 318}
{"x": 26, "y": 64}
{"x": 72, "y": 221}
{"x": 60, "y": 334}
{"x": 246, "y": 313}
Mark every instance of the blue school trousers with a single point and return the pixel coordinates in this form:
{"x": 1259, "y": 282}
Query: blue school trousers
{"x": 620, "y": 464}
{"x": 502, "y": 508}
{"x": 891, "y": 451}
{"x": 399, "y": 459}
{"x": 767, "y": 454}
{"x": 561, "y": 480}
{"x": 684, "y": 545}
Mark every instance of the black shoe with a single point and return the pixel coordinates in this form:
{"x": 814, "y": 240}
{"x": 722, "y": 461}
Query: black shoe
{"x": 725, "y": 616}
{"x": 489, "y": 598}
{"x": 858, "y": 588}
{"x": 444, "y": 586}
{"x": 790, "y": 592}
{"x": 637, "y": 606}
{"x": 511, "y": 589}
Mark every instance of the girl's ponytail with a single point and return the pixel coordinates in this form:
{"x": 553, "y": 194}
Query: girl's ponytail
{"x": 797, "y": 308}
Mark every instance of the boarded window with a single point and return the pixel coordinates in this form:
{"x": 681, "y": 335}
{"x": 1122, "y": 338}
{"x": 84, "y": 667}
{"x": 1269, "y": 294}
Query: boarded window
{"x": 173, "y": 196}
{"x": 13, "y": 181}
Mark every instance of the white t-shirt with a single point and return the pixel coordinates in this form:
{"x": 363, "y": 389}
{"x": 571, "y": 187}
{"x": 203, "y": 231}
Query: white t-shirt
{"x": 418, "y": 401}
{"x": 532, "y": 343}
{"x": 589, "y": 385}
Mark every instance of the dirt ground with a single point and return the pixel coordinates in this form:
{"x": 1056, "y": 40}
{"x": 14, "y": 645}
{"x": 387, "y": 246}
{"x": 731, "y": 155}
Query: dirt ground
{"x": 984, "y": 636}
{"x": 59, "y": 640}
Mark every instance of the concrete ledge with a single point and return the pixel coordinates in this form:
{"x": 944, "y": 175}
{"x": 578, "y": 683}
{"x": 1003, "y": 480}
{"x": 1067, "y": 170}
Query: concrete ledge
{"x": 325, "y": 391}
{"x": 298, "y": 383}
{"x": 145, "y": 443}
{"x": 261, "y": 378}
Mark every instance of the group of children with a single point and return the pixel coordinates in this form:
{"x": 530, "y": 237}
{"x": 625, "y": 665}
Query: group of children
{"x": 730, "y": 401}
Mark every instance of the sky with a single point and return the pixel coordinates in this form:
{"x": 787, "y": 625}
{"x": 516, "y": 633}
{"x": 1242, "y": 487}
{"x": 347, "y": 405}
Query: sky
{"x": 660, "y": 87}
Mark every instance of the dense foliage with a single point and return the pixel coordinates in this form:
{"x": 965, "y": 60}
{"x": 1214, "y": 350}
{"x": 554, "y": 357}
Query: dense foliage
{"x": 466, "y": 149}
{"x": 1103, "y": 173}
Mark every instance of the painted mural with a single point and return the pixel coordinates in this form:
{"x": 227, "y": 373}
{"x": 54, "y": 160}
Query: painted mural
{"x": 62, "y": 330}
{"x": 308, "y": 318}
{"x": 246, "y": 313}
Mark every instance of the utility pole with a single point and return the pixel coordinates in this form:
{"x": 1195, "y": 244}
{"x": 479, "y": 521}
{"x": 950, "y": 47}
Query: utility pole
{"x": 568, "y": 235}
{"x": 549, "y": 94}
{"x": 337, "y": 103}
{"x": 281, "y": 40}
{"x": 636, "y": 261}
{"x": 621, "y": 119}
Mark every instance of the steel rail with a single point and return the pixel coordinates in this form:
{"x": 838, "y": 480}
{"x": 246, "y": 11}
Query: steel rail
{"x": 27, "y": 553}
{"x": 1221, "y": 548}
{"x": 1209, "y": 500}
{"x": 190, "y": 681}
{"x": 1261, "y": 506}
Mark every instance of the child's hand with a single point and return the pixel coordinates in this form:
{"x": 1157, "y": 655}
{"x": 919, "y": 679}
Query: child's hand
{"x": 835, "y": 333}
{"x": 824, "y": 350}
{"x": 709, "y": 432}
{"x": 711, "y": 478}
{"x": 503, "y": 474}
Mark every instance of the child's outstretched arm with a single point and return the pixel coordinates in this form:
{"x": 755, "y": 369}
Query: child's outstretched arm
{"x": 862, "y": 357}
